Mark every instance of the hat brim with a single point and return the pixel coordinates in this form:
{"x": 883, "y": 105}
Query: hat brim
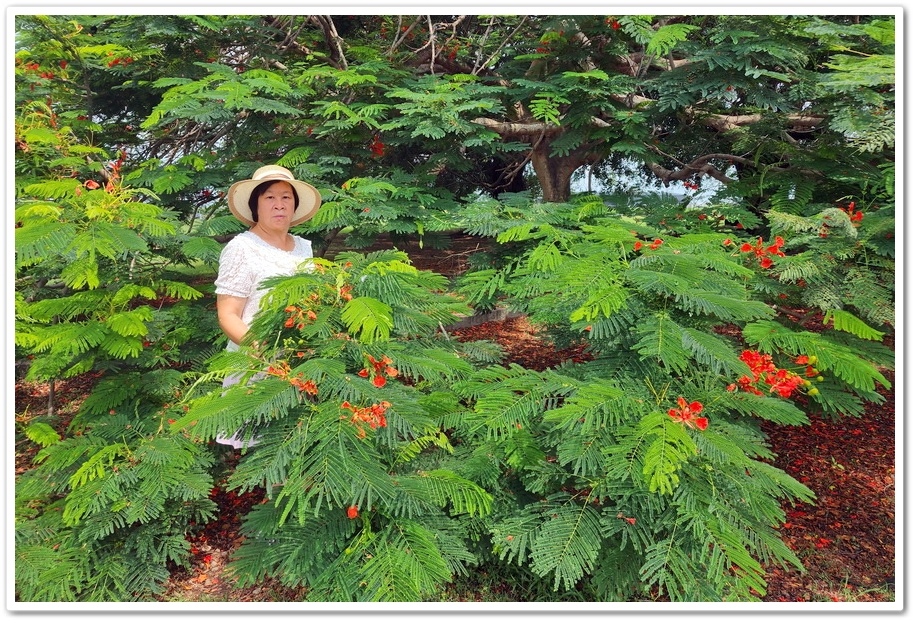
{"x": 309, "y": 199}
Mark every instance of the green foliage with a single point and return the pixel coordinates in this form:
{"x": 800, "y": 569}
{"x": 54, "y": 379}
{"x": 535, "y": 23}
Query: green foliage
{"x": 99, "y": 519}
{"x": 345, "y": 421}
{"x": 609, "y": 432}
{"x": 99, "y": 293}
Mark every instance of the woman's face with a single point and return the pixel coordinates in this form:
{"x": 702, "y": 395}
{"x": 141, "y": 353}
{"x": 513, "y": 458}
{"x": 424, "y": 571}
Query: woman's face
{"x": 277, "y": 206}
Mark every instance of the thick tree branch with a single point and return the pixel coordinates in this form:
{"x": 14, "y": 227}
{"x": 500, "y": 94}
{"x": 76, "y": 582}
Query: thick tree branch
{"x": 667, "y": 175}
{"x": 723, "y": 123}
{"x": 516, "y": 130}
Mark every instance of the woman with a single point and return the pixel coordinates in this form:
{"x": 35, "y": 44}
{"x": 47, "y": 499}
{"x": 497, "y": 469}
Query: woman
{"x": 270, "y": 203}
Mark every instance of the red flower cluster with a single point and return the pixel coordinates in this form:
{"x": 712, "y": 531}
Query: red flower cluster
{"x": 380, "y": 368}
{"x": 35, "y": 67}
{"x": 298, "y": 316}
{"x": 304, "y": 385}
{"x": 282, "y": 370}
{"x": 353, "y": 512}
{"x": 377, "y": 147}
{"x": 373, "y": 416}
{"x": 654, "y": 244}
{"x": 854, "y": 215}
{"x": 687, "y": 414}
{"x": 127, "y": 60}
{"x": 763, "y": 253}
{"x": 781, "y": 381}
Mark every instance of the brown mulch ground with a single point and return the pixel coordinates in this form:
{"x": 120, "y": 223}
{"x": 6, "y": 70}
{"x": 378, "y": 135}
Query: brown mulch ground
{"x": 846, "y": 541}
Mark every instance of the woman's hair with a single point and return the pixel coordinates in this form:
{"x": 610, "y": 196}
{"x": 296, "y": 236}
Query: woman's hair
{"x": 259, "y": 190}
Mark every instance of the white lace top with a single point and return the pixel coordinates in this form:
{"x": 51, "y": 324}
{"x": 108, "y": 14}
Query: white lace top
{"x": 246, "y": 261}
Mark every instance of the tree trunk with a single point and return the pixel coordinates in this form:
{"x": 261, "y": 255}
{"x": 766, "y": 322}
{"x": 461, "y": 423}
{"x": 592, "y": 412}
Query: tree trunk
{"x": 554, "y": 173}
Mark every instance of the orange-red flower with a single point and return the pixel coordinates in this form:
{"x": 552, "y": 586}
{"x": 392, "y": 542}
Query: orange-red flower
{"x": 763, "y": 370}
{"x": 279, "y": 369}
{"x": 765, "y": 253}
{"x": 373, "y": 416}
{"x": 304, "y": 385}
{"x": 353, "y": 512}
{"x": 854, "y": 215}
{"x": 686, "y": 413}
{"x": 298, "y": 316}
{"x": 377, "y": 147}
{"x": 380, "y": 369}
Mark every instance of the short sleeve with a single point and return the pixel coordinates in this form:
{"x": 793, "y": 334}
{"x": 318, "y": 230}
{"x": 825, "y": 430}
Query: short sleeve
{"x": 235, "y": 276}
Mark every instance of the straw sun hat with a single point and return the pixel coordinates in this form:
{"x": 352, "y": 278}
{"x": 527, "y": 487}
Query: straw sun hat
{"x": 309, "y": 197}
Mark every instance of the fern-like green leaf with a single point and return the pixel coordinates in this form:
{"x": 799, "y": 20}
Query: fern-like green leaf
{"x": 405, "y": 564}
{"x": 95, "y": 468}
{"x": 845, "y": 321}
{"x": 367, "y": 318}
{"x": 130, "y": 323}
{"x": 567, "y": 545}
{"x": 661, "y": 339}
{"x": 447, "y": 488}
{"x": 42, "y": 433}
{"x": 669, "y": 565}
{"x": 42, "y": 241}
{"x": 666, "y": 37}
{"x": 711, "y": 351}
{"x": 669, "y": 447}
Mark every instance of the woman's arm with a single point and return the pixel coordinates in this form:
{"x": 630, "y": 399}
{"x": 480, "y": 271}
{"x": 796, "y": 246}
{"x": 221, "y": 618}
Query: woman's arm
{"x": 229, "y": 314}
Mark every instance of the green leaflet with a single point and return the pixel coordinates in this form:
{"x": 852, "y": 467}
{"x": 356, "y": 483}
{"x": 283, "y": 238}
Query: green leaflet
{"x": 845, "y": 321}
{"x": 368, "y": 318}
{"x": 567, "y": 545}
